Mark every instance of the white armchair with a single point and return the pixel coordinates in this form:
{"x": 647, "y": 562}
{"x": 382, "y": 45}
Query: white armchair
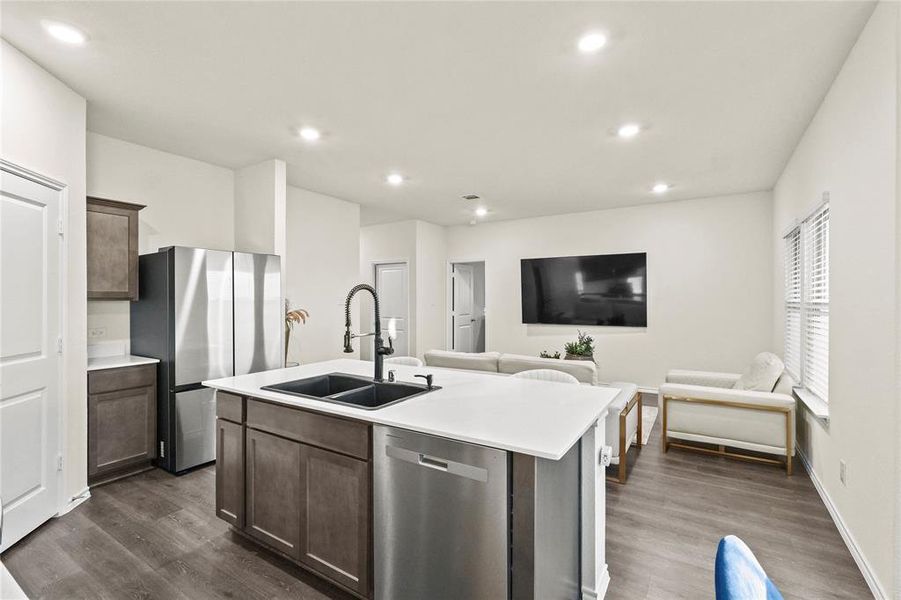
{"x": 703, "y": 407}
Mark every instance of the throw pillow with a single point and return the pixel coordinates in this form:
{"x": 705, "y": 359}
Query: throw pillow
{"x": 762, "y": 375}
{"x": 785, "y": 384}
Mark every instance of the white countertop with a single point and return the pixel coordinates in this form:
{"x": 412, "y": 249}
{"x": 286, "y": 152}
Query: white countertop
{"x": 537, "y": 418}
{"x": 114, "y": 362}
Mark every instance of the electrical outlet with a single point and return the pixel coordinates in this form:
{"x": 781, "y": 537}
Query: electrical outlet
{"x": 843, "y": 472}
{"x": 96, "y": 333}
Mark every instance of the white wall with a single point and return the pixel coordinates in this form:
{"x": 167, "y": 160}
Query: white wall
{"x": 849, "y": 150}
{"x": 431, "y": 288}
{"x": 188, "y": 203}
{"x": 43, "y": 129}
{"x": 323, "y": 258}
{"x": 259, "y": 206}
{"x": 709, "y": 282}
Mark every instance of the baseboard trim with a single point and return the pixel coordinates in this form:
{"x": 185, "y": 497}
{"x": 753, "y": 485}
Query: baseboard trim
{"x": 75, "y": 501}
{"x": 861, "y": 561}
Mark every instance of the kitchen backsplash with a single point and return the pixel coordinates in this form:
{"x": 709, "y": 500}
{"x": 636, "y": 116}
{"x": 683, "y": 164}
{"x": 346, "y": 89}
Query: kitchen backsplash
{"x": 108, "y": 323}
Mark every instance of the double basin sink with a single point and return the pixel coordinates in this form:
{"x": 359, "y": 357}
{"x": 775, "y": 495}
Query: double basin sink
{"x": 352, "y": 390}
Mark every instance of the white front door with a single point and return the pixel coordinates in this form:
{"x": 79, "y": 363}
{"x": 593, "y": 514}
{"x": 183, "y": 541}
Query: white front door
{"x": 462, "y": 309}
{"x": 391, "y": 286}
{"x": 29, "y": 355}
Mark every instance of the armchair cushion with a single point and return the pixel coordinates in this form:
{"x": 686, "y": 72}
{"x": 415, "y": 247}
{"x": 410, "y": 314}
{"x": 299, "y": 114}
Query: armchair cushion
{"x": 763, "y": 373}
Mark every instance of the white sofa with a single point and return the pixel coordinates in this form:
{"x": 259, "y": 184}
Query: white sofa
{"x": 703, "y": 407}
{"x": 508, "y": 364}
{"x": 623, "y": 421}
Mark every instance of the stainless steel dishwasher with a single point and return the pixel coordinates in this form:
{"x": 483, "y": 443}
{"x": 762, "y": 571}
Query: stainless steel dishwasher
{"x": 441, "y": 518}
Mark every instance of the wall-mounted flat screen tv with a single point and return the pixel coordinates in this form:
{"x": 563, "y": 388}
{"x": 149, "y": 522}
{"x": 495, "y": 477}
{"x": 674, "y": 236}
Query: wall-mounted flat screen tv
{"x": 607, "y": 289}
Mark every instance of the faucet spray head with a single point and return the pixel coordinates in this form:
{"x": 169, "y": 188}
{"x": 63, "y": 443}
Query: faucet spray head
{"x": 347, "y": 337}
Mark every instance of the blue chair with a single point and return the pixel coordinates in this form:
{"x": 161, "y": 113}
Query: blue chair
{"x": 738, "y": 574}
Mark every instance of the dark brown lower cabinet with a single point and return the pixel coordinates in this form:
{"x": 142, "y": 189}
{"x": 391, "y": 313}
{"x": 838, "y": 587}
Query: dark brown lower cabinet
{"x": 230, "y": 472}
{"x": 298, "y": 482}
{"x": 273, "y": 491}
{"x": 121, "y": 422}
{"x": 335, "y": 532}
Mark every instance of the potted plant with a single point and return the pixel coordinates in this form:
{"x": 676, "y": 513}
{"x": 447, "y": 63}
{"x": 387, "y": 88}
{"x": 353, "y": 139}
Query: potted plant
{"x": 292, "y": 318}
{"x": 546, "y": 354}
{"x": 581, "y": 349}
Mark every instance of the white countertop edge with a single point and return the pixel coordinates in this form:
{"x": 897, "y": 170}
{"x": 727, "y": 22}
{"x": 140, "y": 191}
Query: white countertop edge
{"x": 340, "y": 410}
{"x": 384, "y": 417}
{"x": 117, "y": 362}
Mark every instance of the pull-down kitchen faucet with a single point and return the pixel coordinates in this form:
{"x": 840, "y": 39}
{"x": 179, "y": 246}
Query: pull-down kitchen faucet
{"x": 380, "y": 351}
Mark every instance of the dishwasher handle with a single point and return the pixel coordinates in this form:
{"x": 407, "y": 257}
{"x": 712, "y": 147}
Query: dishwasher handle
{"x": 438, "y": 464}
{"x": 434, "y": 463}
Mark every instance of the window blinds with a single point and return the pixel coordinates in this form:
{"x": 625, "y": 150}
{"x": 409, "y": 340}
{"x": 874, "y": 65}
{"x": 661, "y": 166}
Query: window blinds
{"x": 815, "y": 351}
{"x": 807, "y": 302}
{"x": 793, "y": 297}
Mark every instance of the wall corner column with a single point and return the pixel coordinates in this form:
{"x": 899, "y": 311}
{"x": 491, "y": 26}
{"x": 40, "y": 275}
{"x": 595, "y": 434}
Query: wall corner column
{"x": 261, "y": 195}
{"x": 896, "y": 576}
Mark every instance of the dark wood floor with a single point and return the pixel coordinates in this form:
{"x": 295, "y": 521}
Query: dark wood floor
{"x": 155, "y": 536}
{"x": 663, "y": 527}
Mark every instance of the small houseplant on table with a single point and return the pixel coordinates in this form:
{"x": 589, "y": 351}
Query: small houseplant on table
{"x": 581, "y": 349}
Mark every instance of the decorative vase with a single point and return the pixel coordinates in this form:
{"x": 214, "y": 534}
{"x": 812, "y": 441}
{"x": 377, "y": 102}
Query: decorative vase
{"x": 579, "y": 357}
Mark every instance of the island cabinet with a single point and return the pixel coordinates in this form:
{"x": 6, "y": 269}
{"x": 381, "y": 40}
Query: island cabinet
{"x": 230, "y": 459}
{"x": 121, "y": 422}
{"x": 299, "y": 483}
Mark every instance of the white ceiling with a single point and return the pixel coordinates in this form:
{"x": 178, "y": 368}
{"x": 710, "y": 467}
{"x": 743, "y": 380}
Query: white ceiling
{"x": 485, "y": 98}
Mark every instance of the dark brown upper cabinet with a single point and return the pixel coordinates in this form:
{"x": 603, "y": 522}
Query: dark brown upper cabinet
{"x": 112, "y": 245}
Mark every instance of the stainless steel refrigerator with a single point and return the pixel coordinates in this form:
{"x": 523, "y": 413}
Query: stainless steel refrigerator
{"x": 205, "y": 314}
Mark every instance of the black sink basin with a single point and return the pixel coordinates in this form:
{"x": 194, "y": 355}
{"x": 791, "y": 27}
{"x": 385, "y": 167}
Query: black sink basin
{"x": 378, "y": 395}
{"x": 352, "y": 390}
{"x": 321, "y": 386}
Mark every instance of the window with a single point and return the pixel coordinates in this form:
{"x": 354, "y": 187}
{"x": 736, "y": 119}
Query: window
{"x": 807, "y": 302}
{"x": 793, "y": 303}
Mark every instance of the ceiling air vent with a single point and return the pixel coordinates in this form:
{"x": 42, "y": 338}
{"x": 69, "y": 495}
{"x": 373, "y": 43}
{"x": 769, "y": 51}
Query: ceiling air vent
{"x": 470, "y": 196}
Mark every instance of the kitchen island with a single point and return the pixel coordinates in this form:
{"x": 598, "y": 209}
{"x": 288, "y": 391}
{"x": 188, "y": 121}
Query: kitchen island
{"x": 506, "y": 501}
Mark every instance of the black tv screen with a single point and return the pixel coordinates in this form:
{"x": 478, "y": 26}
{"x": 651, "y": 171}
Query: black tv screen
{"x": 608, "y": 289}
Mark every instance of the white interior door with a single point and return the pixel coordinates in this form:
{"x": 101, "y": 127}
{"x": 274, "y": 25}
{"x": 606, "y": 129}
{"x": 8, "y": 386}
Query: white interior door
{"x": 463, "y": 308}
{"x": 29, "y": 355}
{"x": 391, "y": 286}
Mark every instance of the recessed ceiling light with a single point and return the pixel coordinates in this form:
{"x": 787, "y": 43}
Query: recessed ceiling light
{"x": 310, "y": 134}
{"x": 65, "y": 33}
{"x": 628, "y": 130}
{"x": 481, "y": 211}
{"x": 592, "y": 42}
{"x": 395, "y": 179}
{"x": 661, "y": 187}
